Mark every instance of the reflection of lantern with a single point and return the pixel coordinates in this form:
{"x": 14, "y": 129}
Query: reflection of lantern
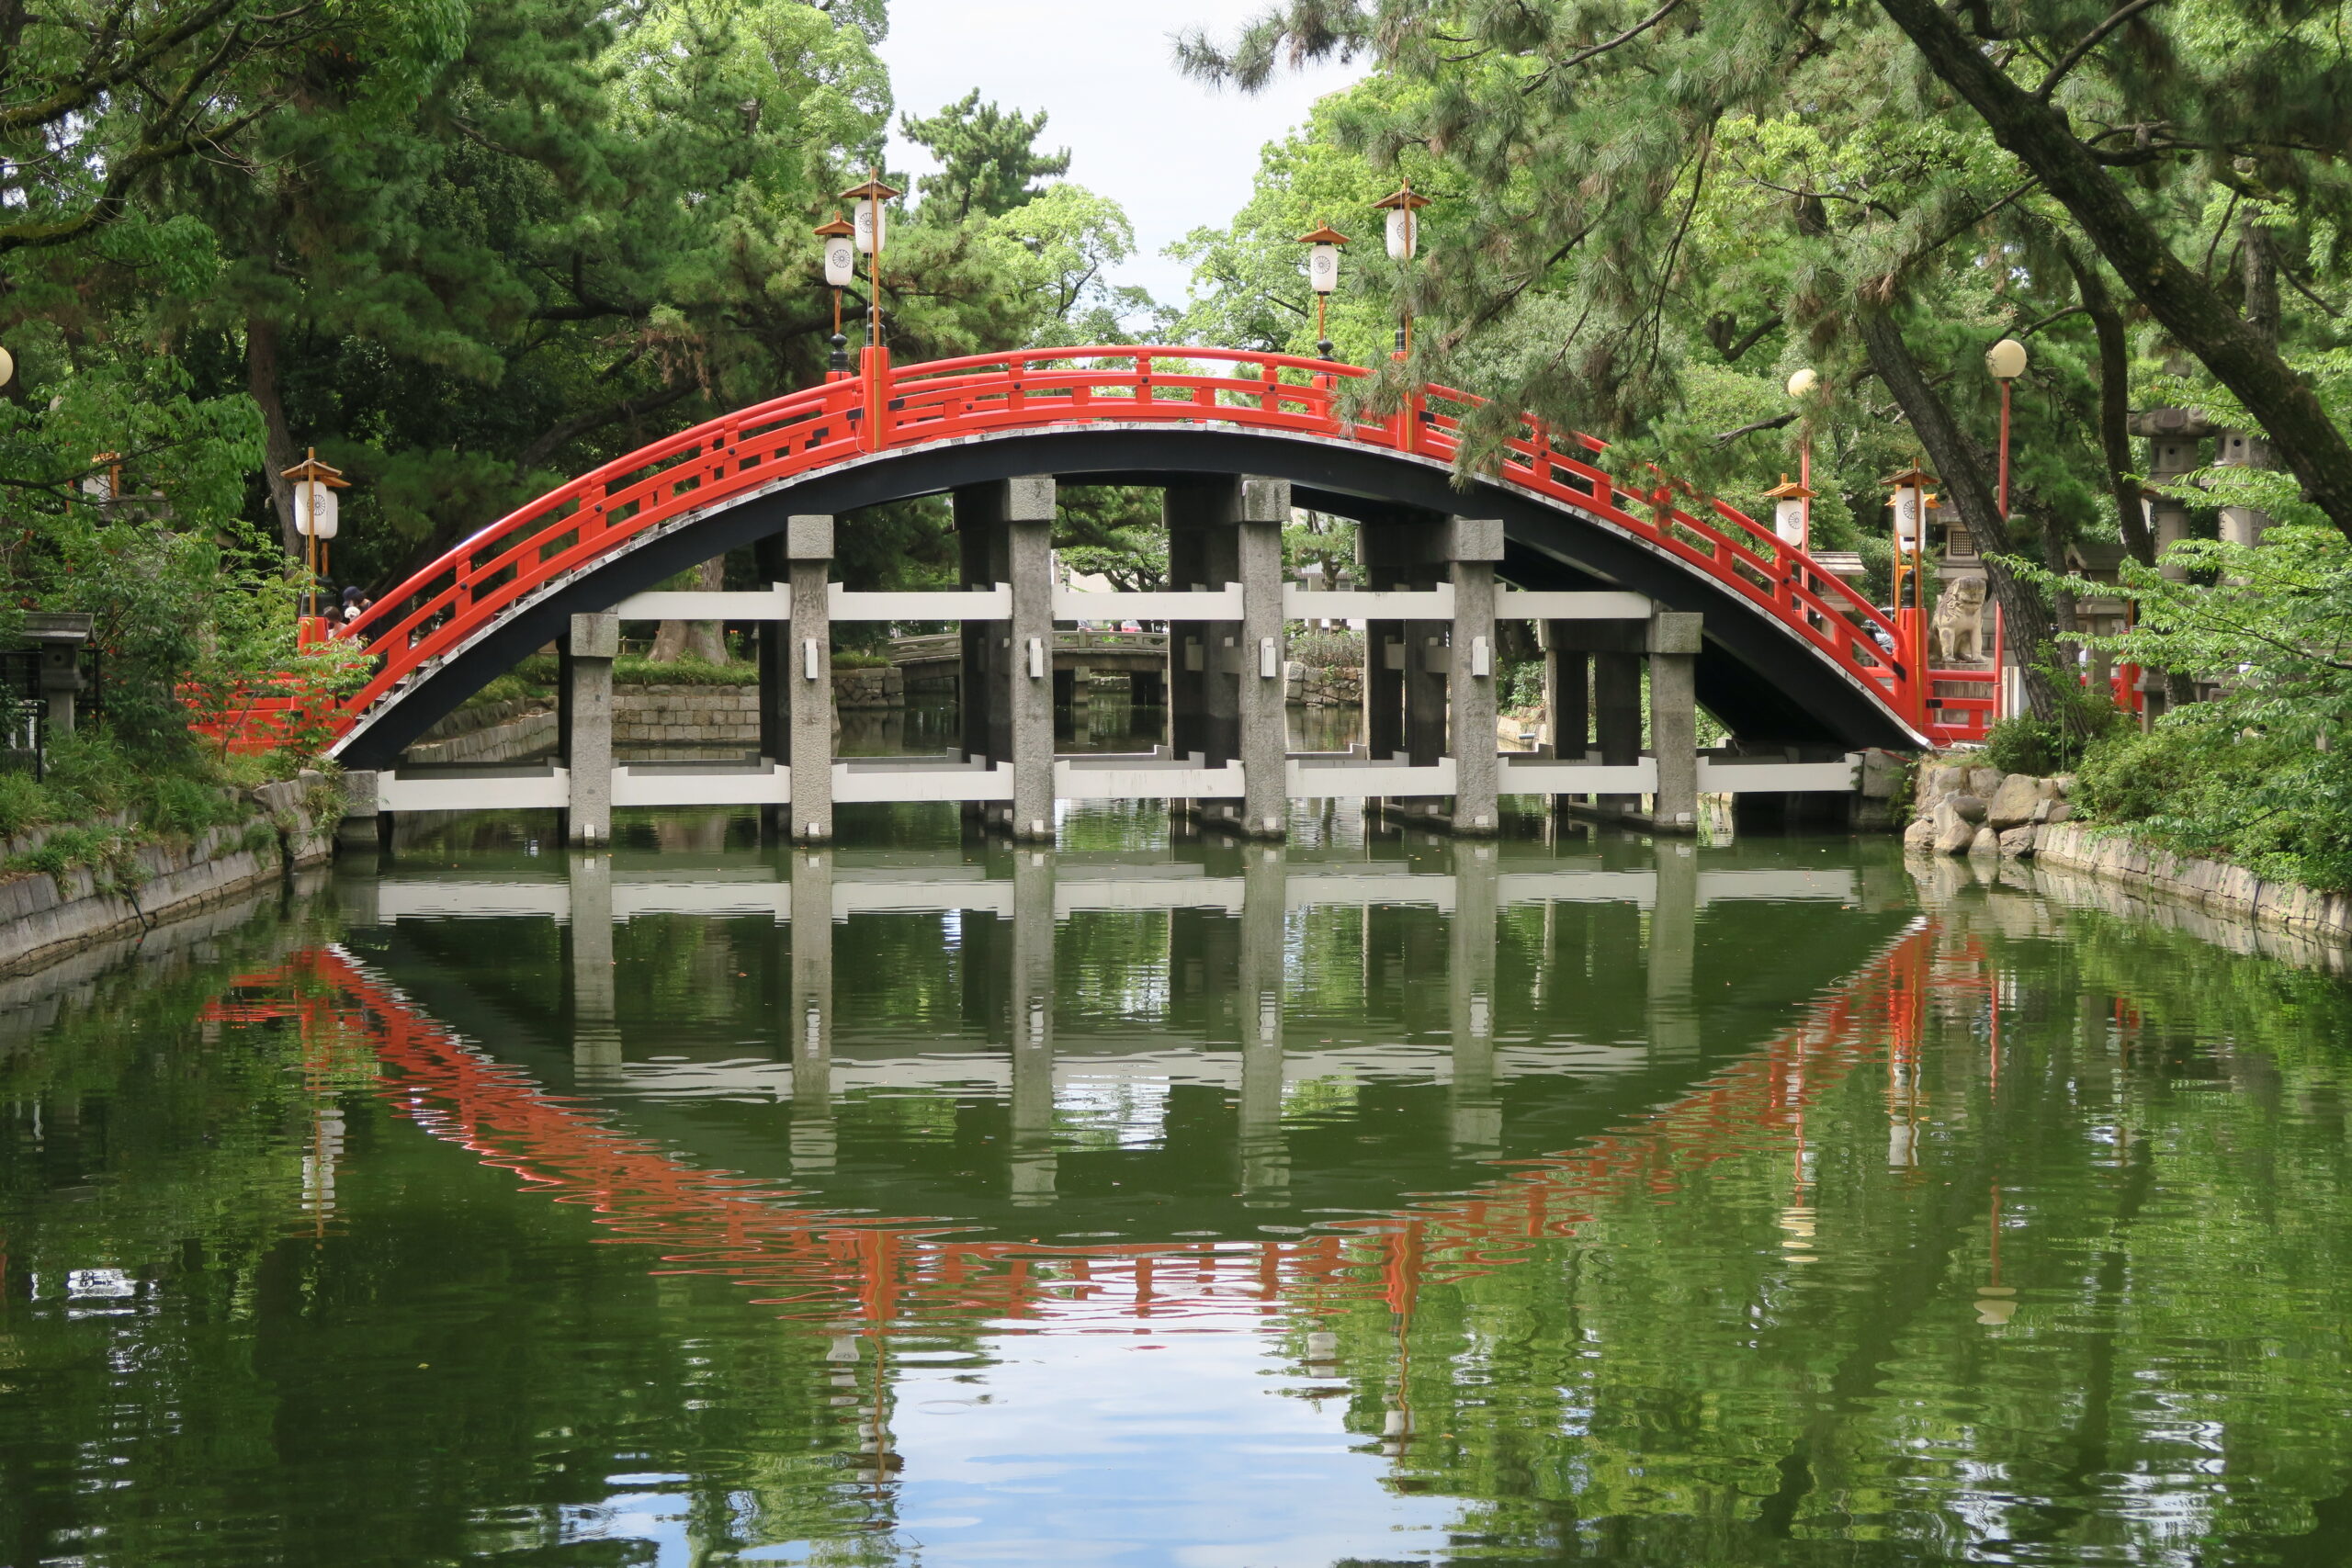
{"x": 1403, "y": 206}
{"x": 1790, "y": 511}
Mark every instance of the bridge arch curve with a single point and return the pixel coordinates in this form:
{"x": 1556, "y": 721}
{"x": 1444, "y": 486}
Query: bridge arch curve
{"x": 1761, "y": 670}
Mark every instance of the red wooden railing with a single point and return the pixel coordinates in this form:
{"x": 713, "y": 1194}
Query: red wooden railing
{"x": 883, "y": 407}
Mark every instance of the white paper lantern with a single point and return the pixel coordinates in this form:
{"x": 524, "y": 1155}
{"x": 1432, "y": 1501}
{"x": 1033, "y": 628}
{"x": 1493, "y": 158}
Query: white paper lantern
{"x": 841, "y": 262}
{"x": 315, "y": 510}
{"x": 871, "y": 224}
{"x": 1908, "y": 509}
{"x": 1788, "y": 520}
{"x": 1404, "y": 234}
{"x": 1323, "y": 269}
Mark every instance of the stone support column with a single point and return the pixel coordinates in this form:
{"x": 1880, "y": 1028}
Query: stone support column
{"x": 809, "y": 1013}
{"x": 808, "y": 544}
{"x": 584, "y": 723}
{"x": 1567, "y": 699}
{"x": 1264, "y": 737}
{"x": 596, "y": 1021}
{"x": 979, "y": 539}
{"x": 1382, "y": 557}
{"x": 775, "y": 654}
{"x": 1674, "y": 641}
{"x": 1475, "y": 1111}
{"x": 1265, "y": 1159}
{"x": 1028, "y": 692}
{"x": 1473, "y": 546}
{"x": 1427, "y": 658}
{"x": 1031, "y": 1027}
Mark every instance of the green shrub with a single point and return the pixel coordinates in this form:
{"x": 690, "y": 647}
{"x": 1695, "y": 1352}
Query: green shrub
{"x": 1337, "y": 647}
{"x": 2280, "y": 807}
{"x": 856, "y": 658}
{"x": 24, "y": 805}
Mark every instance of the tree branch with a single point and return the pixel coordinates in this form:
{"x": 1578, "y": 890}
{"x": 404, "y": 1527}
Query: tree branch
{"x": 2091, "y": 40}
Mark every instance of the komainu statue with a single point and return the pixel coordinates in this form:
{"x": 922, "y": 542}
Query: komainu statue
{"x": 1959, "y": 613}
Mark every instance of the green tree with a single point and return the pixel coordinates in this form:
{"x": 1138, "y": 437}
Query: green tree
{"x": 989, "y": 158}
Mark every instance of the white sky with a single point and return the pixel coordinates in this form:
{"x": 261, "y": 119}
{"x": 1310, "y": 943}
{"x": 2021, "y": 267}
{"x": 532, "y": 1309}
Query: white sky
{"x": 1174, "y": 153}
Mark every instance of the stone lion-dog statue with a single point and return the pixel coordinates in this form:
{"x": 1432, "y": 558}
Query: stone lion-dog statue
{"x": 1959, "y": 613}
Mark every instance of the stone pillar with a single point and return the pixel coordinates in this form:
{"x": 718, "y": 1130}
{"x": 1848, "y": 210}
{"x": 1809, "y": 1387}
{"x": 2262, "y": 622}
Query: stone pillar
{"x": 1382, "y": 557}
{"x": 595, "y": 1020}
{"x": 1028, "y": 694}
{"x": 1617, "y": 702}
{"x": 1567, "y": 699}
{"x": 1258, "y": 996}
{"x": 2169, "y": 457}
{"x": 808, "y": 544}
{"x": 2243, "y": 449}
{"x": 1473, "y": 546}
{"x": 1672, "y": 1013}
{"x": 1427, "y": 658}
{"x": 1185, "y": 510}
{"x": 809, "y": 1013}
{"x": 1674, "y": 641}
{"x": 774, "y": 651}
{"x": 1476, "y": 1113}
{"x": 979, "y": 539}
{"x": 584, "y": 723}
{"x": 1264, "y": 721}
{"x": 1031, "y": 1027}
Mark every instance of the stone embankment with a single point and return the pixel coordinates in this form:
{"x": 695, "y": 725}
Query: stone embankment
{"x": 45, "y": 915}
{"x": 1981, "y": 812}
{"x": 1322, "y": 686}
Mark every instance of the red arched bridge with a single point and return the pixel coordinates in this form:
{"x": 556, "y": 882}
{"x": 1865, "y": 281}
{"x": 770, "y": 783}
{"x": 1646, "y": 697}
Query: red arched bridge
{"x": 1789, "y": 656}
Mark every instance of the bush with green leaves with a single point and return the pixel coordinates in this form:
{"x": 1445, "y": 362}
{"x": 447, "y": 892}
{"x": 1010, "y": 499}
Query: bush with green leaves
{"x": 2260, "y": 773}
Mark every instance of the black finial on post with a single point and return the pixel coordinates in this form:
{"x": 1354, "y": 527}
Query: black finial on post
{"x": 1327, "y": 349}
{"x": 841, "y": 351}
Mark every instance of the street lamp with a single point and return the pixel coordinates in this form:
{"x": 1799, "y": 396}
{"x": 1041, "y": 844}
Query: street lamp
{"x": 1802, "y": 385}
{"x": 841, "y": 271}
{"x": 2006, "y": 359}
{"x": 1792, "y": 514}
{"x": 869, "y": 223}
{"x": 1323, "y": 275}
{"x": 1403, "y": 206}
{"x": 316, "y": 513}
{"x": 1909, "y": 500}
{"x": 8, "y": 366}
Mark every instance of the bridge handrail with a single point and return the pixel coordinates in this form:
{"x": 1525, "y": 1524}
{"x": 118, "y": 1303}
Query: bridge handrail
{"x": 440, "y": 605}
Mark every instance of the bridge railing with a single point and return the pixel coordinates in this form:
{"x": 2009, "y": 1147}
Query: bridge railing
{"x": 435, "y": 612}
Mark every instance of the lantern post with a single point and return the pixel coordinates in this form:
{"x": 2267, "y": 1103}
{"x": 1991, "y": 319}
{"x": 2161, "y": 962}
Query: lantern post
{"x": 1792, "y": 514}
{"x": 1322, "y": 275}
{"x": 1909, "y": 498}
{"x": 2006, "y": 361}
{"x": 316, "y": 516}
{"x": 1802, "y": 385}
{"x": 870, "y": 222}
{"x": 1403, "y": 206}
{"x": 839, "y": 239}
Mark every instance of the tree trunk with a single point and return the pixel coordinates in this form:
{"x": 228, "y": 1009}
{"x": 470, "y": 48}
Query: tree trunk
{"x": 706, "y": 641}
{"x": 2114, "y": 407}
{"x": 2190, "y": 309}
{"x": 277, "y": 442}
{"x": 2025, "y": 613}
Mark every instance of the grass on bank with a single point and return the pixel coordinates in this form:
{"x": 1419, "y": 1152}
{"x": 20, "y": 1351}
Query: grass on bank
{"x": 102, "y": 803}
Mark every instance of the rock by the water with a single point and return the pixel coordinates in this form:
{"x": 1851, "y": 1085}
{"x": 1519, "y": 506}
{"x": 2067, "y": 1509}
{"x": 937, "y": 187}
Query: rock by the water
{"x": 1967, "y": 807}
{"x": 1955, "y": 832}
{"x": 2016, "y": 843}
{"x": 1986, "y": 842}
{"x": 1920, "y": 837}
{"x": 2012, "y": 804}
{"x": 1982, "y": 781}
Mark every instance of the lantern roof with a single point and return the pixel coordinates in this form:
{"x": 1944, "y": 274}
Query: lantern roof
{"x": 1326, "y": 235}
{"x": 872, "y": 190}
{"x": 1914, "y": 476}
{"x": 1403, "y": 196}
{"x": 839, "y": 228}
{"x": 309, "y": 468}
{"x": 1788, "y": 490}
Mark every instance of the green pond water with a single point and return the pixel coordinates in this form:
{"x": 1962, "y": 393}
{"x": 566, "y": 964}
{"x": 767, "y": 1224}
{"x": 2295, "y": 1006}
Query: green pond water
{"x": 1373, "y": 1200}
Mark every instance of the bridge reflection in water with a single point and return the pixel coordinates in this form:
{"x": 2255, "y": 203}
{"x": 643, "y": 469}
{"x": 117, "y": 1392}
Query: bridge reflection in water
{"x": 632, "y": 1137}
